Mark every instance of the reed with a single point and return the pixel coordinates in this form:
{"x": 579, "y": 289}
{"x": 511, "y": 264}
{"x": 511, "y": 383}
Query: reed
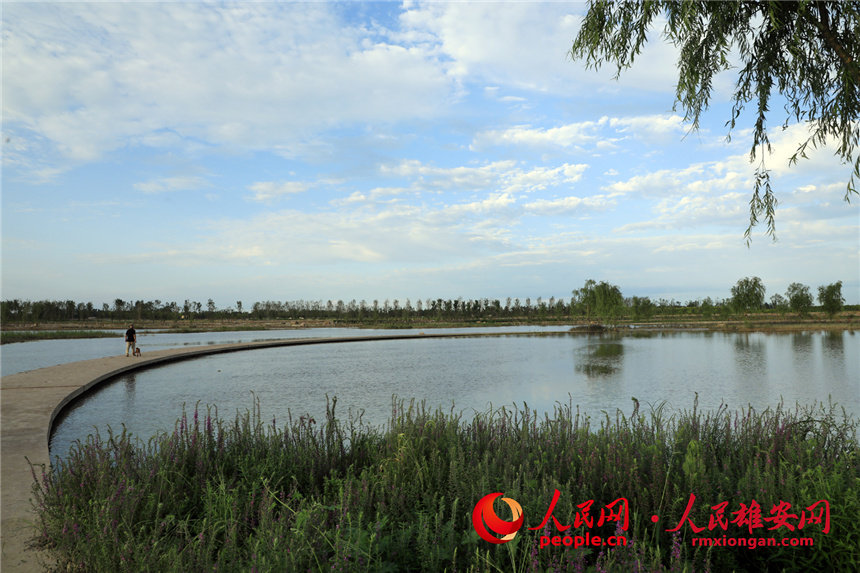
{"x": 11, "y": 336}
{"x": 337, "y": 495}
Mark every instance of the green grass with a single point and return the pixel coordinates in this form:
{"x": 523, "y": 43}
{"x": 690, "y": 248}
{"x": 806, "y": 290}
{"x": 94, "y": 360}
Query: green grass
{"x": 10, "y": 336}
{"x": 250, "y": 495}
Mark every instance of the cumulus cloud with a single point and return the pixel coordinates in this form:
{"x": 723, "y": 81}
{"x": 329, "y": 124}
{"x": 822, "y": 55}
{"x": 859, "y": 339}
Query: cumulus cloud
{"x": 569, "y": 205}
{"x": 570, "y": 135}
{"x": 460, "y": 177}
{"x": 90, "y": 78}
{"x": 526, "y": 45}
{"x": 507, "y": 176}
{"x": 598, "y": 134}
{"x": 655, "y": 126}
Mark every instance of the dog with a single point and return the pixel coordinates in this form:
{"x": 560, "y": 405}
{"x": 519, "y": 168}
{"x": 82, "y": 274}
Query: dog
{"x": 137, "y": 351}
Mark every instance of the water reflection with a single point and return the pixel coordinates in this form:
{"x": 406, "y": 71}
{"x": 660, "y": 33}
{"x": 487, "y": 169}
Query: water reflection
{"x": 801, "y": 342}
{"x": 601, "y": 359}
{"x": 834, "y": 344}
{"x": 130, "y": 390}
{"x": 833, "y": 357}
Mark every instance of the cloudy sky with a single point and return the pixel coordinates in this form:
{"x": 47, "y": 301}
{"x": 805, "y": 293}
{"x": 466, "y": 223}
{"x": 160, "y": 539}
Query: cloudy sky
{"x": 285, "y": 151}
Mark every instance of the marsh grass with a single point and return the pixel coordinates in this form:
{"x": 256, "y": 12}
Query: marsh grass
{"x": 250, "y": 495}
{"x": 11, "y": 336}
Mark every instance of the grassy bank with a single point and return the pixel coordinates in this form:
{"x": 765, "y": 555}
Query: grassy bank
{"x": 252, "y": 495}
{"x": 760, "y": 322}
{"x": 10, "y": 336}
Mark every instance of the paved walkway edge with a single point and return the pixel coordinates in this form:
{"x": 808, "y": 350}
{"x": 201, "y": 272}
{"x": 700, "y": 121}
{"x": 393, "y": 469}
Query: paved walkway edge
{"x": 31, "y": 401}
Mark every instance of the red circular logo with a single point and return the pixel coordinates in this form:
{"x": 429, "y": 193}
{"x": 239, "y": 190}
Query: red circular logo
{"x": 484, "y": 514}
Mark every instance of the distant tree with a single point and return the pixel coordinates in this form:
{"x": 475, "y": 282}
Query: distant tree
{"x": 799, "y": 298}
{"x": 830, "y": 297}
{"x": 779, "y": 303}
{"x": 603, "y": 299}
{"x": 707, "y": 307}
{"x": 210, "y": 306}
{"x": 239, "y": 306}
{"x": 748, "y": 294}
{"x": 642, "y": 308}
{"x": 609, "y": 302}
{"x": 585, "y": 298}
{"x": 808, "y": 51}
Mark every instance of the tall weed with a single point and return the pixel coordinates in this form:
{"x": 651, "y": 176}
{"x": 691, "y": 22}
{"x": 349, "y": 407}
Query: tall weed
{"x": 335, "y": 495}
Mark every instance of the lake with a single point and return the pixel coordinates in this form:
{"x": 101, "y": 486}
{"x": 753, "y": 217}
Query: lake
{"x": 596, "y": 372}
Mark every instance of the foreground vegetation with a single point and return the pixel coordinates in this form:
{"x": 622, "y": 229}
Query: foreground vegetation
{"x": 249, "y": 495}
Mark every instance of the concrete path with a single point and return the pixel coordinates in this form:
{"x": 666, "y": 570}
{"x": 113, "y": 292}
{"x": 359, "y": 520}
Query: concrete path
{"x": 30, "y": 401}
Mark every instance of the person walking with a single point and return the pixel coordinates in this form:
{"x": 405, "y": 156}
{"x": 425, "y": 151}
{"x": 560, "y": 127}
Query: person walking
{"x": 130, "y": 339}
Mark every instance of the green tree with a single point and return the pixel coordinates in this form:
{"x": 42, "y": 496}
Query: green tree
{"x": 707, "y": 307}
{"x": 799, "y": 298}
{"x": 779, "y": 303}
{"x": 603, "y": 299}
{"x": 610, "y": 302}
{"x": 808, "y": 51}
{"x": 642, "y": 308}
{"x": 831, "y": 299}
{"x": 748, "y": 294}
{"x": 585, "y": 299}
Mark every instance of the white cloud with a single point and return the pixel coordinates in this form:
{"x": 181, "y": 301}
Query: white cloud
{"x": 540, "y": 178}
{"x": 570, "y": 135}
{"x": 569, "y": 205}
{"x": 169, "y": 184}
{"x": 89, "y": 78}
{"x": 650, "y": 127}
{"x": 603, "y": 133}
{"x": 461, "y": 178}
{"x": 505, "y": 176}
{"x": 495, "y": 202}
{"x": 268, "y": 190}
{"x": 526, "y": 45}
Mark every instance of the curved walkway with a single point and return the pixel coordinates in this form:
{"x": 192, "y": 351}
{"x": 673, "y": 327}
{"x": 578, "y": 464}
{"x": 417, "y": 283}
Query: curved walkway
{"x": 30, "y": 402}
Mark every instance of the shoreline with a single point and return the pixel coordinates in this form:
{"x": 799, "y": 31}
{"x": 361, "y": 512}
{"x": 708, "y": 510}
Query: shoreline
{"x": 848, "y": 321}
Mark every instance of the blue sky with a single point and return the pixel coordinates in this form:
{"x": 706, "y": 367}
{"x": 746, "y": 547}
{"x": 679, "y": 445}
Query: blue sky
{"x": 286, "y": 151}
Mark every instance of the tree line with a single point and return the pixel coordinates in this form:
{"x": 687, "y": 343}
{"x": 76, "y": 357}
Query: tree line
{"x": 601, "y": 301}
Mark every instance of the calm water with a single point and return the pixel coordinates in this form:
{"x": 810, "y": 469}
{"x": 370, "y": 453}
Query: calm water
{"x": 595, "y": 372}
{"x": 23, "y": 356}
